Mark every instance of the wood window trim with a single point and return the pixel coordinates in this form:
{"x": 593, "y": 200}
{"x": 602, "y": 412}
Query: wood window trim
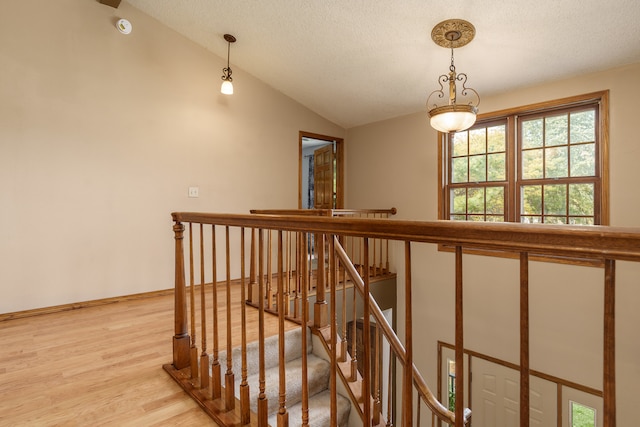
{"x": 602, "y": 100}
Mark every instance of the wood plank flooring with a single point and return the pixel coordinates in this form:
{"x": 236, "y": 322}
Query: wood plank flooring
{"x": 102, "y": 365}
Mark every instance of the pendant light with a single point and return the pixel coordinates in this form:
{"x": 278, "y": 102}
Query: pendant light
{"x": 455, "y": 112}
{"x": 227, "y": 85}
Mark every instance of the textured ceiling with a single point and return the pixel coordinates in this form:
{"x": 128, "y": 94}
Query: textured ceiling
{"x": 360, "y": 61}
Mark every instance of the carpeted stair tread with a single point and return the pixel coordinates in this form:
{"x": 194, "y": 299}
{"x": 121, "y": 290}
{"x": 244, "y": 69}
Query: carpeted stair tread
{"x": 319, "y": 411}
{"x": 317, "y": 374}
{"x": 293, "y": 344}
{"x": 318, "y": 380}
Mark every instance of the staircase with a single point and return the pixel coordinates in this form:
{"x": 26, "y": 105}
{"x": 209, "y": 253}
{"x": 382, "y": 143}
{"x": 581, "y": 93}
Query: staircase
{"x": 255, "y": 388}
{"x": 317, "y": 373}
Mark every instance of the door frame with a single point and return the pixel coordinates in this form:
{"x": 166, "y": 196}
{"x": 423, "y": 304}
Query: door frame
{"x": 339, "y": 165}
{"x": 566, "y": 388}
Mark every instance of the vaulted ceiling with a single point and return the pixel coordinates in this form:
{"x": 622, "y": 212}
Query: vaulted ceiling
{"x": 360, "y": 61}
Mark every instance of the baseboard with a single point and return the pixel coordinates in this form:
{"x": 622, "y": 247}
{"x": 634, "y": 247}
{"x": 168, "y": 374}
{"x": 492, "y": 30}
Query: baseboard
{"x": 84, "y": 304}
{"x": 97, "y": 302}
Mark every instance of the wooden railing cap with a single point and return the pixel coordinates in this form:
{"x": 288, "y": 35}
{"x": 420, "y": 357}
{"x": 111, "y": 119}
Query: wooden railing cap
{"x": 587, "y": 242}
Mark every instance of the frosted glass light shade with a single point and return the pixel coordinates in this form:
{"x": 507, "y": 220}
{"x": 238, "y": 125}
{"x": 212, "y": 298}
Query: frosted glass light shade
{"x": 227, "y": 87}
{"x": 453, "y": 118}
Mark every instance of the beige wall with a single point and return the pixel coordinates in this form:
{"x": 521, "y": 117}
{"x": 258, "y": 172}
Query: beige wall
{"x": 101, "y": 134}
{"x": 398, "y": 159}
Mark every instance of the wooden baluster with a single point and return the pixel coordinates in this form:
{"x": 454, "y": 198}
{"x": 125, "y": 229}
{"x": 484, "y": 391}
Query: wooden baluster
{"x": 320, "y": 307}
{"x": 305, "y": 320}
{"x": 309, "y": 262}
{"x": 334, "y": 344}
{"x": 253, "y": 284}
{"x": 459, "y": 340}
{"x": 387, "y": 257}
{"x": 269, "y": 304}
{"x": 361, "y": 257}
{"x": 204, "y": 357}
{"x": 343, "y": 343}
{"x": 181, "y": 337}
{"x": 283, "y": 415}
{"x": 377, "y": 403}
{"x": 192, "y": 307}
{"x": 366, "y": 340}
{"x": 298, "y": 282}
{"x": 386, "y": 241}
{"x": 229, "y": 378}
{"x": 418, "y": 410}
{"x": 609, "y": 357}
{"x": 524, "y": 341}
{"x": 354, "y": 331}
{"x": 407, "y": 382}
{"x": 216, "y": 379}
{"x": 287, "y": 287}
{"x": 245, "y": 409}
{"x": 374, "y": 271}
{"x": 379, "y": 257}
{"x": 262, "y": 397}
{"x": 345, "y": 245}
{"x": 293, "y": 271}
{"x": 390, "y": 390}
{"x": 354, "y": 250}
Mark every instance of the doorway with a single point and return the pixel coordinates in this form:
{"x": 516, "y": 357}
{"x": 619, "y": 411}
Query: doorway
{"x": 492, "y": 392}
{"x": 320, "y": 171}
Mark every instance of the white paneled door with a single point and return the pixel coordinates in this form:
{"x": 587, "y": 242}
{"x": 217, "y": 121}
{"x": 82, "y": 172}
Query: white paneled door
{"x": 495, "y": 397}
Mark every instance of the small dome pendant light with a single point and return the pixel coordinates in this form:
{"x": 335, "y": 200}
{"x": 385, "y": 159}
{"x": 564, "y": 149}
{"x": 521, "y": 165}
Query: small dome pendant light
{"x": 227, "y": 85}
{"x": 453, "y": 116}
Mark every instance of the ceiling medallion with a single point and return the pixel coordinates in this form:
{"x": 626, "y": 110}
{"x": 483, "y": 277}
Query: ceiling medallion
{"x": 453, "y": 33}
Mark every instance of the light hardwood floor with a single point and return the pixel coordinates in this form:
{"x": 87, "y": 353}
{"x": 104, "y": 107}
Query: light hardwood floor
{"x": 101, "y": 366}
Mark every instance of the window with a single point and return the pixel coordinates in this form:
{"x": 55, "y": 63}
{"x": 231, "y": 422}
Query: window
{"x": 543, "y": 163}
{"x": 451, "y": 385}
{"x": 581, "y": 415}
{"x": 478, "y": 180}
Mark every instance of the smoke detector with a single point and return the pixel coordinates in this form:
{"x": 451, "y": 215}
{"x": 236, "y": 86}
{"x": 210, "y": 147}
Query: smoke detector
{"x": 123, "y": 26}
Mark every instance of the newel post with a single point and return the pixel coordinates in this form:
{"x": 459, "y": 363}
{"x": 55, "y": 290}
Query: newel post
{"x": 181, "y": 338}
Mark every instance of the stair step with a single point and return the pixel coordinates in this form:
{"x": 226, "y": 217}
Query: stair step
{"x": 293, "y": 343}
{"x": 319, "y": 411}
{"x": 317, "y": 374}
{"x": 318, "y": 380}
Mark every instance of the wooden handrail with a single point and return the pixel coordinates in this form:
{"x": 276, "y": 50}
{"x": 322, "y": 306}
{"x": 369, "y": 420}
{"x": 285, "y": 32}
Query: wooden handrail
{"x": 398, "y": 349}
{"x": 585, "y": 242}
{"x": 324, "y": 212}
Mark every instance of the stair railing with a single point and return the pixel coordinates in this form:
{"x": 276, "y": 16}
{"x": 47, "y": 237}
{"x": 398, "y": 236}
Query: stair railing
{"x": 602, "y": 244}
{"x": 317, "y": 279}
{"x": 383, "y": 331}
{"x": 379, "y": 248}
